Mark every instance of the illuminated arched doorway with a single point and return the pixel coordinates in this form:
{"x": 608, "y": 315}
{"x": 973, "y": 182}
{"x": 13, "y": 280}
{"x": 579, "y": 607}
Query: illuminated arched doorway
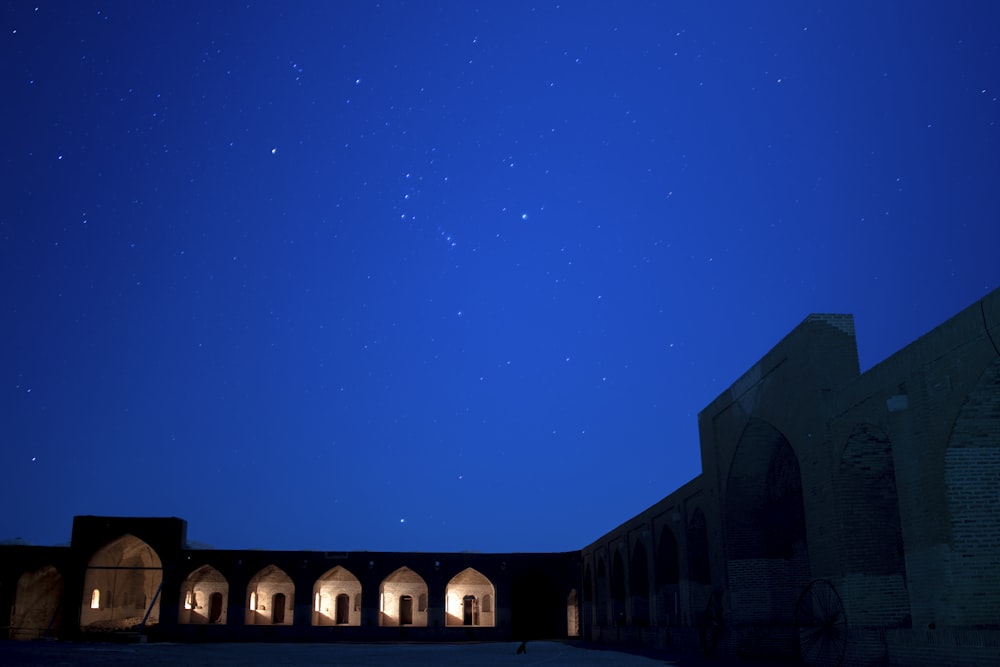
{"x": 204, "y": 596}
{"x": 572, "y": 615}
{"x": 470, "y": 600}
{"x": 337, "y": 598}
{"x": 37, "y": 604}
{"x": 269, "y": 598}
{"x": 121, "y": 586}
{"x": 403, "y": 599}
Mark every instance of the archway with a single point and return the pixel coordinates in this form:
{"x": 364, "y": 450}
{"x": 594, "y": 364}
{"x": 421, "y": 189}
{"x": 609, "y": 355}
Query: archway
{"x": 332, "y": 596}
{"x": 639, "y": 585}
{"x": 469, "y": 600}
{"x": 268, "y": 596}
{"x": 971, "y": 473}
{"x": 572, "y": 615}
{"x": 871, "y": 542}
{"x": 618, "y": 589}
{"x": 768, "y": 562}
{"x": 602, "y": 593}
{"x": 203, "y": 597}
{"x": 397, "y": 594}
{"x": 37, "y": 607}
{"x": 668, "y": 579}
{"x": 121, "y": 586}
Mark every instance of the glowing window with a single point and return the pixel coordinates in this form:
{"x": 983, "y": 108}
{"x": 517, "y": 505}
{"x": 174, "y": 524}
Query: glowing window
{"x": 316, "y": 603}
{"x": 95, "y": 599}
{"x": 253, "y": 601}
{"x": 187, "y": 600}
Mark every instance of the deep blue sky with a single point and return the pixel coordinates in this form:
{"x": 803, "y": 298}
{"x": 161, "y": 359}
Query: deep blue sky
{"x": 454, "y": 276}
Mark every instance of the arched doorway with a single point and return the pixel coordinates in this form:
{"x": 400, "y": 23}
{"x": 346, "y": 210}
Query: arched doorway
{"x": 216, "y": 608}
{"x": 267, "y": 596}
{"x": 406, "y": 610}
{"x": 572, "y": 615}
{"x": 121, "y": 586}
{"x": 639, "y": 585}
{"x": 332, "y": 596}
{"x": 668, "y": 579}
{"x": 203, "y": 596}
{"x": 469, "y": 600}
{"x": 277, "y": 609}
{"x": 403, "y": 599}
{"x": 767, "y": 558}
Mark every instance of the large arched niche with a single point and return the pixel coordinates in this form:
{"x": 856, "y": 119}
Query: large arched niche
{"x": 204, "y": 598}
{"x": 667, "y": 578}
{"x": 337, "y": 598}
{"x": 601, "y": 593}
{"x": 270, "y": 598}
{"x": 403, "y": 599}
{"x": 121, "y": 586}
{"x": 639, "y": 584}
{"x": 871, "y": 544}
{"x": 766, "y": 548}
{"x": 37, "y": 606}
{"x": 470, "y": 600}
{"x": 618, "y": 590}
{"x": 972, "y": 477}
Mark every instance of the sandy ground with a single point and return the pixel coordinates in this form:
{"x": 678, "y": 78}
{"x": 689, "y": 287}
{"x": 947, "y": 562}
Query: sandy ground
{"x": 58, "y": 654}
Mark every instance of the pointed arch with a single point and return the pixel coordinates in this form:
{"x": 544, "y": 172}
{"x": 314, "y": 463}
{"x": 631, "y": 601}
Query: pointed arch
{"x": 871, "y": 543}
{"x": 667, "y": 578}
{"x": 127, "y": 574}
{"x": 469, "y": 600}
{"x": 767, "y": 558}
{"x": 332, "y": 595}
{"x": 572, "y": 614}
{"x": 403, "y": 599}
{"x": 618, "y": 591}
{"x": 37, "y": 607}
{"x": 639, "y": 585}
{"x": 204, "y": 598}
{"x": 971, "y": 477}
{"x": 270, "y": 598}
{"x": 602, "y": 592}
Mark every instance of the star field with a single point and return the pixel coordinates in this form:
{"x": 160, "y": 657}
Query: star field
{"x": 454, "y": 276}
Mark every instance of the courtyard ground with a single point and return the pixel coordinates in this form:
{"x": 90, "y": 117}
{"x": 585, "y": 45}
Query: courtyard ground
{"x": 549, "y": 654}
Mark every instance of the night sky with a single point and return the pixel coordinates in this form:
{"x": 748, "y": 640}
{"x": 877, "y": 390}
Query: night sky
{"x": 454, "y": 276}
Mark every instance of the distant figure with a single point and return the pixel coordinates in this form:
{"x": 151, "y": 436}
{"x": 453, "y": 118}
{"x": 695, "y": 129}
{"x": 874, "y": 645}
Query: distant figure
{"x": 523, "y": 648}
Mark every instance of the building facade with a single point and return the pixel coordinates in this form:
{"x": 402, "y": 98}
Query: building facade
{"x": 840, "y": 518}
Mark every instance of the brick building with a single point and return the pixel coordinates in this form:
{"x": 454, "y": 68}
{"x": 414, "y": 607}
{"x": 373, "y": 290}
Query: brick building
{"x": 840, "y": 517}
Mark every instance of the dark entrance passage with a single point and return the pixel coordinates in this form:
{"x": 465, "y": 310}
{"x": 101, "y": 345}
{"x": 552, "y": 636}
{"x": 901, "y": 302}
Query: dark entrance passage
{"x": 278, "y": 608}
{"x": 215, "y": 608}
{"x": 470, "y": 610}
{"x": 406, "y": 610}
{"x": 343, "y": 614}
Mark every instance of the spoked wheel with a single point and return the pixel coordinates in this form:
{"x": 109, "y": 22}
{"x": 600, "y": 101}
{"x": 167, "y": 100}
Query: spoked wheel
{"x": 821, "y": 624}
{"x": 711, "y": 625}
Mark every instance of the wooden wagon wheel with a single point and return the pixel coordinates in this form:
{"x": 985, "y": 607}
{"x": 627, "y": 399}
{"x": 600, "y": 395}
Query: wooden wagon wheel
{"x": 711, "y": 624}
{"x": 821, "y": 624}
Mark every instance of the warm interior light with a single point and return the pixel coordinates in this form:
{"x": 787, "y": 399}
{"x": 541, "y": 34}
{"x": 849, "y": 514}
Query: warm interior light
{"x": 316, "y": 603}
{"x": 187, "y": 600}
{"x": 95, "y": 599}
{"x": 253, "y": 601}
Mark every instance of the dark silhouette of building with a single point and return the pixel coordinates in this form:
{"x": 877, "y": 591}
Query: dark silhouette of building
{"x": 840, "y": 518}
